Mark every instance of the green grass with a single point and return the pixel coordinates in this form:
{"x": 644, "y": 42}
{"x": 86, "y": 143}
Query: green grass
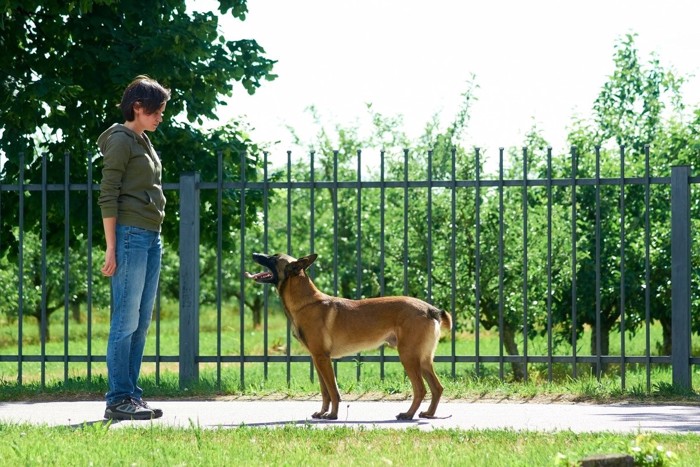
{"x": 156, "y": 445}
{"x": 162, "y": 382}
{"x": 97, "y": 445}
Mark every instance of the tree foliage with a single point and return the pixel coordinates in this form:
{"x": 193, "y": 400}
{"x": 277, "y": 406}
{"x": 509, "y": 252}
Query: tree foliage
{"x": 640, "y": 106}
{"x": 64, "y": 67}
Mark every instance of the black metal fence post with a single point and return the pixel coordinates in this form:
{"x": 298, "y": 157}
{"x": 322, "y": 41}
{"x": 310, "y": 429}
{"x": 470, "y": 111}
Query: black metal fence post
{"x": 189, "y": 278}
{"x": 680, "y": 277}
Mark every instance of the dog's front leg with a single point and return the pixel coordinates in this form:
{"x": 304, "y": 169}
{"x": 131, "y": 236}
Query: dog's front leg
{"x": 329, "y": 388}
{"x": 324, "y": 393}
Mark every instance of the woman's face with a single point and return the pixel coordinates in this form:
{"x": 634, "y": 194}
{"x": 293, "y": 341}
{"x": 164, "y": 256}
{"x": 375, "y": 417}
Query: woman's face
{"x": 148, "y": 122}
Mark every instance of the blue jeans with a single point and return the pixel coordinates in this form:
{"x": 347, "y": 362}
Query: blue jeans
{"x": 134, "y": 288}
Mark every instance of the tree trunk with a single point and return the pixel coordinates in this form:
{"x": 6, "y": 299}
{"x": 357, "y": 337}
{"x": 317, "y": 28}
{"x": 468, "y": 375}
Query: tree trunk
{"x": 512, "y": 349}
{"x": 667, "y": 339}
{"x": 257, "y": 307}
{"x": 604, "y": 346}
{"x": 47, "y": 337}
{"x": 75, "y": 309}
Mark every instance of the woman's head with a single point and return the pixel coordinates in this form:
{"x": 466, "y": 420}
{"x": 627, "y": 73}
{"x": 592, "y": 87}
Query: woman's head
{"x": 144, "y": 93}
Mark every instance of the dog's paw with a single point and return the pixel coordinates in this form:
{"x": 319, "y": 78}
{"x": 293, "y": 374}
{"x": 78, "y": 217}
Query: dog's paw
{"x": 426, "y": 415}
{"x": 404, "y": 416}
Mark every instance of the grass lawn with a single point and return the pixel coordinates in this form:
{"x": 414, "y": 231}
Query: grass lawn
{"x": 97, "y": 445}
{"x": 358, "y": 378}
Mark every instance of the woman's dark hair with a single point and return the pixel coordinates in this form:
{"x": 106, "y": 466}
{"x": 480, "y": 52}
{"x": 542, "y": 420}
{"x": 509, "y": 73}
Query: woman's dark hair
{"x": 145, "y": 92}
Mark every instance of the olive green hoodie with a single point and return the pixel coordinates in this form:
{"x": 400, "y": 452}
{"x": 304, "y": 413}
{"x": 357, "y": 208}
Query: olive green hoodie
{"x": 131, "y": 188}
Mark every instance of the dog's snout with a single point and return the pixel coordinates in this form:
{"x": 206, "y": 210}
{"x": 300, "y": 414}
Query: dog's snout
{"x": 260, "y": 258}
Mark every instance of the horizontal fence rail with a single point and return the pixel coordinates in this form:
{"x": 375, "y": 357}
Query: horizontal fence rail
{"x": 467, "y": 247}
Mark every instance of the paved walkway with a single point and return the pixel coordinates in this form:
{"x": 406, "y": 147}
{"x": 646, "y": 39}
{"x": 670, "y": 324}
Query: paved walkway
{"x": 376, "y": 414}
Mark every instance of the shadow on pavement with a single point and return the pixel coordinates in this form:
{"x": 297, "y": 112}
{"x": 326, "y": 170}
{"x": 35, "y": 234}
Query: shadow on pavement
{"x": 330, "y": 422}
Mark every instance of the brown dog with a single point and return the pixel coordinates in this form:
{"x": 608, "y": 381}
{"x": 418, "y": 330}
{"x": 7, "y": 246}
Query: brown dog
{"x": 330, "y": 327}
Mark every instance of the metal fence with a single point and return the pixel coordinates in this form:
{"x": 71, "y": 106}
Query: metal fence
{"x": 190, "y": 187}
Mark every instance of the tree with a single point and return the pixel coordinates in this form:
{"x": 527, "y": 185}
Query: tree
{"x": 631, "y": 112}
{"x": 47, "y": 274}
{"x": 64, "y": 67}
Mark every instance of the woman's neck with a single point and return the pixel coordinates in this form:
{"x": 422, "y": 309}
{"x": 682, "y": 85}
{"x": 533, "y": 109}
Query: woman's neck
{"x": 133, "y": 126}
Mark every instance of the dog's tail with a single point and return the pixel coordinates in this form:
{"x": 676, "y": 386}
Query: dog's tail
{"x": 442, "y": 317}
{"x": 445, "y": 319}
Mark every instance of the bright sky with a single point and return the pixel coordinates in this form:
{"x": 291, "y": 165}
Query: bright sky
{"x": 539, "y": 62}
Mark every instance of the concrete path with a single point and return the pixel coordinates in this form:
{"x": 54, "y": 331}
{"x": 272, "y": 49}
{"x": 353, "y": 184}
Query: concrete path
{"x": 375, "y": 414}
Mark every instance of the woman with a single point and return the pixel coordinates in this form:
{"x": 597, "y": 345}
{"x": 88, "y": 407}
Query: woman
{"x": 132, "y": 203}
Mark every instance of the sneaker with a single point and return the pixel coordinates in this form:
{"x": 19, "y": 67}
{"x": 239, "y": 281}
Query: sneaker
{"x": 157, "y": 413}
{"x": 128, "y": 410}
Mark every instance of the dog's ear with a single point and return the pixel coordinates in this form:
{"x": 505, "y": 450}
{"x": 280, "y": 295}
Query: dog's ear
{"x": 302, "y": 263}
{"x": 307, "y": 261}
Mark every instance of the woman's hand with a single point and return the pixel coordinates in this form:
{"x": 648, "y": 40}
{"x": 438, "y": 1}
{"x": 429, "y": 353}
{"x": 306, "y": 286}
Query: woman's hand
{"x": 110, "y": 265}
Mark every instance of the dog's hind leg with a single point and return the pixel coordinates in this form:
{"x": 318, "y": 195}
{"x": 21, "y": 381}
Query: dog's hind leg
{"x": 435, "y": 389}
{"x": 329, "y": 388}
{"x": 412, "y": 367}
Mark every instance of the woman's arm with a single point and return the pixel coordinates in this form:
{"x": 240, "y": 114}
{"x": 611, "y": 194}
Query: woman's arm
{"x": 110, "y": 226}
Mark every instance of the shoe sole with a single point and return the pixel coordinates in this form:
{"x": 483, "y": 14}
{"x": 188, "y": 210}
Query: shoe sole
{"x": 118, "y": 416}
